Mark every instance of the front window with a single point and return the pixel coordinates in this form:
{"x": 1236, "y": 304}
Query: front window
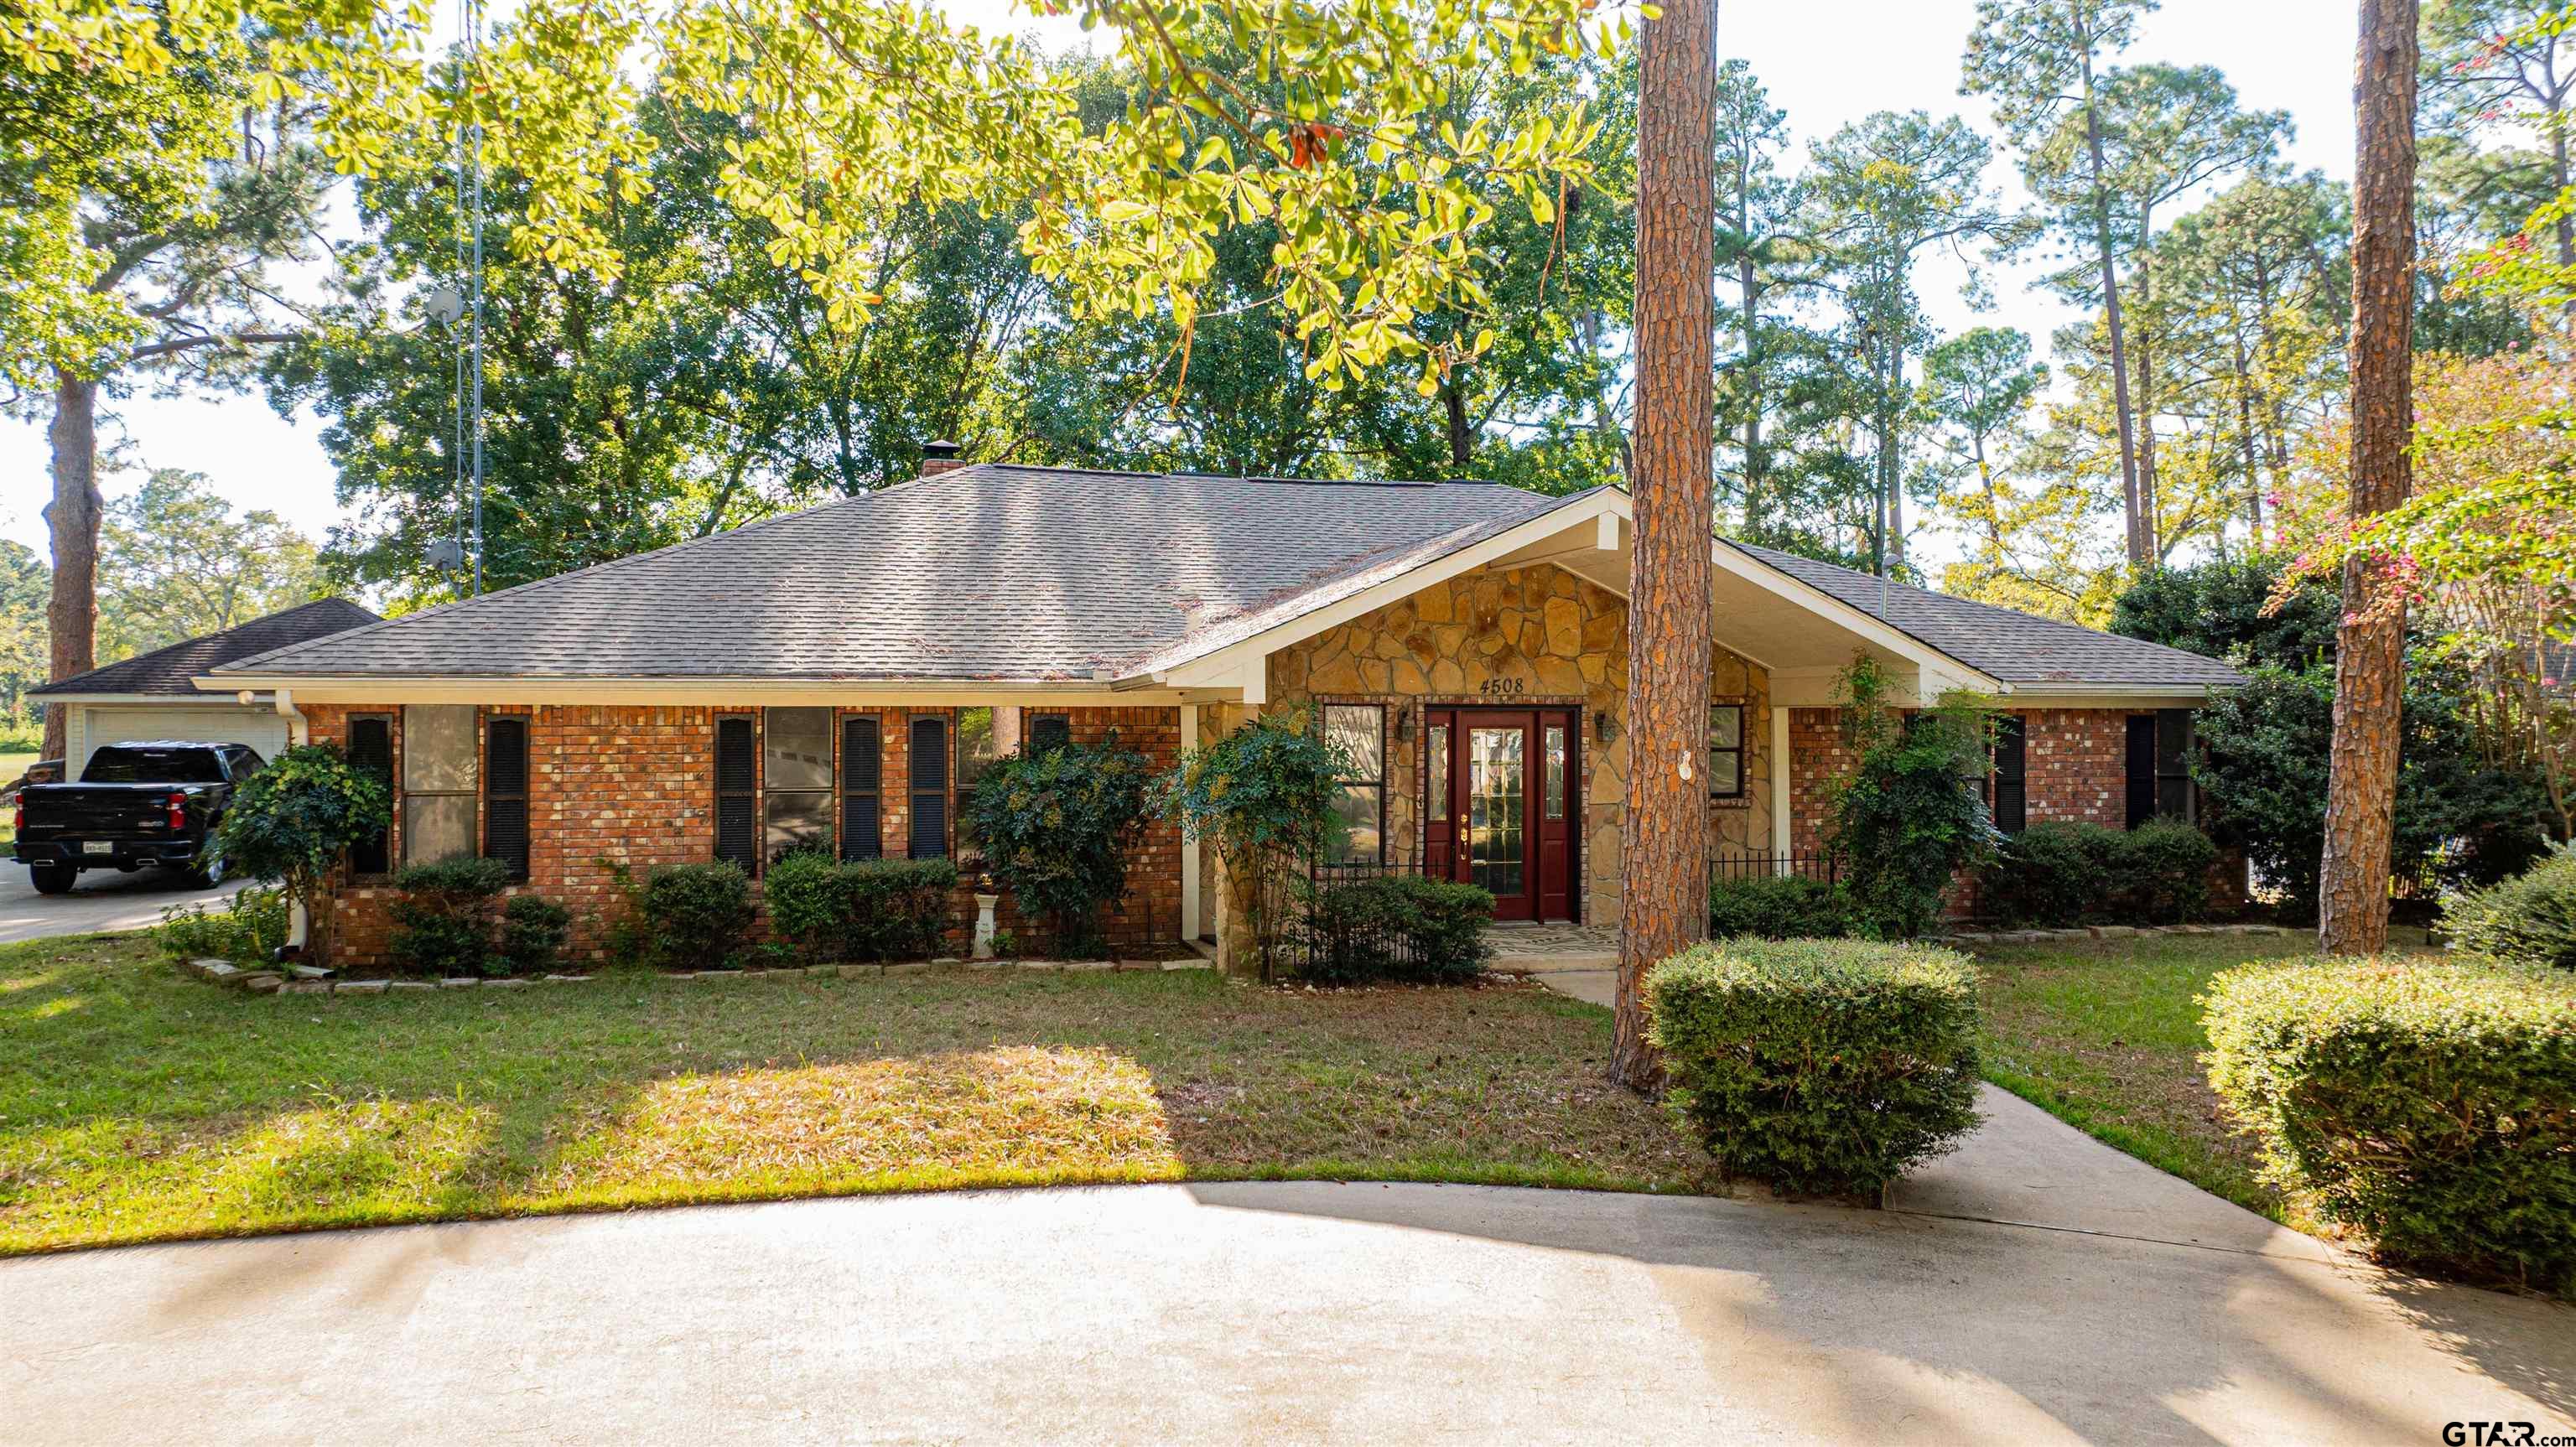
{"x": 985, "y": 736}
{"x": 439, "y": 779}
{"x": 1726, "y": 751}
{"x": 795, "y": 780}
{"x": 1357, "y": 734}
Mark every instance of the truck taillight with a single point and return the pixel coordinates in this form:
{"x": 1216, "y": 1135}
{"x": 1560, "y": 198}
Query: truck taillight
{"x": 178, "y": 811}
{"x": 19, "y": 820}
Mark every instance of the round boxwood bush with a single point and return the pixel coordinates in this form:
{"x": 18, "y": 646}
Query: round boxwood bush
{"x": 2529, "y": 919}
{"x": 445, "y": 920}
{"x": 1827, "y": 1066}
{"x": 684, "y": 916}
{"x": 2431, "y": 1104}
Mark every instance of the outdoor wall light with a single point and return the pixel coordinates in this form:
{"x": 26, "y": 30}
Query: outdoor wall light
{"x": 1403, "y": 725}
{"x": 1604, "y": 727}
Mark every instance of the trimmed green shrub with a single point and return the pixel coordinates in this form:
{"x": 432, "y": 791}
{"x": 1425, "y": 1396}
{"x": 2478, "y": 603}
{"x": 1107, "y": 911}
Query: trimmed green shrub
{"x": 1823, "y": 1066}
{"x": 2529, "y": 919}
{"x": 1057, "y": 827}
{"x": 2160, "y": 872}
{"x": 445, "y": 921}
{"x": 871, "y": 909}
{"x": 688, "y": 916}
{"x": 898, "y": 908}
{"x": 1773, "y": 907}
{"x": 1398, "y": 927}
{"x": 533, "y": 931}
{"x": 2059, "y": 873}
{"x": 2429, "y": 1104}
{"x": 809, "y": 902}
{"x": 249, "y": 929}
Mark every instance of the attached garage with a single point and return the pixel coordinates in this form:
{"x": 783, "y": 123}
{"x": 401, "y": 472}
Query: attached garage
{"x": 155, "y": 696}
{"x": 94, "y": 725}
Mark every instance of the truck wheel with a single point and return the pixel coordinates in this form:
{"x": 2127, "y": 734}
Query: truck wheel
{"x": 53, "y": 878}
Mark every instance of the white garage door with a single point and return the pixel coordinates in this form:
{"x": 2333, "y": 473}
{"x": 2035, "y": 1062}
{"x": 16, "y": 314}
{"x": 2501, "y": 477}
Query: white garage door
{"x": 224, "y": 723}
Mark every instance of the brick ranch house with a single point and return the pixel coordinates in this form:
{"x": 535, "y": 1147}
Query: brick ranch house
{"x": 840, "y": 677}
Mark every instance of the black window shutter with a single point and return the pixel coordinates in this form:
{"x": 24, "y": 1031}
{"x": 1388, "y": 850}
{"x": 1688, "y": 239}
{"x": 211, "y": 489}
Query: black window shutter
{"x": 371, "y": 753}
{"x": 2142, "y": 768}
{"x": 1049, "y": 731}
{"x": 2012, "y": 760}
{"x": 737, "y": 771}
{"x": 862, "y": 767}
{"x": 505, "y": 793}
{"x": 928, "y": 761}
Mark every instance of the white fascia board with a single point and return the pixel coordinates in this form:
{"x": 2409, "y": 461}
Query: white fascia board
{"x": 717, "y": 692}
{"x": 1225, "y": 664}
{"x": 222, "y": 699}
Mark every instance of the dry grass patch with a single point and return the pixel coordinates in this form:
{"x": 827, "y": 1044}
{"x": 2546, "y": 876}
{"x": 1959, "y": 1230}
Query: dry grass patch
{"x": 138, "y": 1105}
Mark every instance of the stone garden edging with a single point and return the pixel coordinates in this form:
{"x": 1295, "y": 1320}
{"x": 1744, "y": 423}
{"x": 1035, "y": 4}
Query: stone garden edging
{"x": 2104, "y": 932}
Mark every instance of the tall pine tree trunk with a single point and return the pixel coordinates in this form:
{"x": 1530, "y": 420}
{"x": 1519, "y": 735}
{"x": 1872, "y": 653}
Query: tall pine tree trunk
{"x": 2146, "y": 424}
{"x": 2111, "y": 317}
{"x": 2370, "y": 662}
{"x": 1663, "y": 836}
{"x": 71, "y": 614}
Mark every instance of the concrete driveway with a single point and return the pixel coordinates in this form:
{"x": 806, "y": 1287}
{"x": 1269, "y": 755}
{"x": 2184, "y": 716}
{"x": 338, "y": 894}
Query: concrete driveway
{"x": 1258, "y": 1312}
{"x": 104, "y": 900}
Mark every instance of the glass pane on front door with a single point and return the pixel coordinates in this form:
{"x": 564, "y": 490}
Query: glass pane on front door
{"x": 1495, "y": 804}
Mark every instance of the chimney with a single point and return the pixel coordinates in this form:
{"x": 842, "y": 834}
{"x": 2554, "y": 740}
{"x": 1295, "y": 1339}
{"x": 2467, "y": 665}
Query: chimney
{"x": 938, "y": 457}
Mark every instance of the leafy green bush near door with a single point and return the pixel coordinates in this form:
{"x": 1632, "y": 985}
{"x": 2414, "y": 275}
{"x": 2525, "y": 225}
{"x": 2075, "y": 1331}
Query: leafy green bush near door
{"x": 872, "y": 909}
{"x": 1773, "y": 907}
{"x": 2062, "y": 873}
{"x": 1398, "y": 928}
{"x": 2529, "y": 919}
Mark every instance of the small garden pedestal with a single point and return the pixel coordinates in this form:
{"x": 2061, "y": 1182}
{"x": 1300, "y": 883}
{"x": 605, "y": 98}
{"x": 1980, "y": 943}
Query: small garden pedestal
{"x": 985, "y": 904}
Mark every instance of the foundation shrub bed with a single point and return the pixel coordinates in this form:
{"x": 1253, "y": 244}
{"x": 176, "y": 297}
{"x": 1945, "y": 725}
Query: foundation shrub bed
{"x": 248, "y": 929}
{"x": 684, "y": 916}
{"x": 2058, "y": 874}
{"x": 1771, "y": 907}
{"x": 2529, "y": 919}
{"x": 448, "y": 917}
{"x": 1398, "y": 928}
{"x": 1821, "y": 1066}
{"x": 533, "y": 931}
{"x": 2429, "y": 1104}
{"x": 871, "y": 909}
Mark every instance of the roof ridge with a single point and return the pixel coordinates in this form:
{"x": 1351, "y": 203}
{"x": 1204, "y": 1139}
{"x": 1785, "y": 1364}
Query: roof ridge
{"x": 591, "y": 570}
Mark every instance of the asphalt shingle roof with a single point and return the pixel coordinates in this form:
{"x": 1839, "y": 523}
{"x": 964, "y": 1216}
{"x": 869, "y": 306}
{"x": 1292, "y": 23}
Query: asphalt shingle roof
{"x": 2013, "y": 646}
{"x": 1031, "y": 573}
{"x": 989, "y": 572}
{"x": 169, "y": 670}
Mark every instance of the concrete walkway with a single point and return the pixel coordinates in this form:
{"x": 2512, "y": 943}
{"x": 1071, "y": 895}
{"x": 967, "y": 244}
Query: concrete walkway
{"x": 103, "y": 901}
{"x": 1257, "y": 1312}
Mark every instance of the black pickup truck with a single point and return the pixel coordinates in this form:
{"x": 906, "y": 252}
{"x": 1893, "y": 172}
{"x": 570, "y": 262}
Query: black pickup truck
{"x": 136, "y": 805}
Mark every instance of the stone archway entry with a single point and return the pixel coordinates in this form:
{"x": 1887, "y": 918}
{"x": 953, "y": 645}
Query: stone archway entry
{"x": 1502, "y": 794}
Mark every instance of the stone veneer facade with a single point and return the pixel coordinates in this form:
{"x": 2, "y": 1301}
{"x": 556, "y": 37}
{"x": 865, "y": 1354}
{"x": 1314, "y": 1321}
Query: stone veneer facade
{"x": 637, "y": 785}
{"x": 1533, "y": 637}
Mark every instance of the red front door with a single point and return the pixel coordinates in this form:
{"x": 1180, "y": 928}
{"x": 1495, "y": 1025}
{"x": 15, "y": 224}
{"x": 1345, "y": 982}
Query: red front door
{"x": 1501, "y": 796}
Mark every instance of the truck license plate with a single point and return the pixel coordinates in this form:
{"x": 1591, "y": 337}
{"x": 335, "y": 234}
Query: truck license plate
{"x": 98, "y": 846}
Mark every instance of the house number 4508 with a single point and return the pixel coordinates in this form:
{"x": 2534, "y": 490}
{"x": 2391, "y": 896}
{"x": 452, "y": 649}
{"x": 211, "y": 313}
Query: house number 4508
{"x": 1504, "y": 685}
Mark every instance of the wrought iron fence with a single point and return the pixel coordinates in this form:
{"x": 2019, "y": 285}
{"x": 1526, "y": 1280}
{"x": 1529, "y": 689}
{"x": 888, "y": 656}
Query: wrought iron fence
{"x": 1316, "y": 933}
{"x": 1824, "y": 868}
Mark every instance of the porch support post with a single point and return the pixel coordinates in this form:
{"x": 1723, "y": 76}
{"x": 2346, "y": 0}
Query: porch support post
{"x": 1189, "y": 846}
{"x": 1780, "y": 835}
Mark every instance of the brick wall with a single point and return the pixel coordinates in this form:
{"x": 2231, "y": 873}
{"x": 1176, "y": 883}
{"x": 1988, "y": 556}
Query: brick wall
{"x": 2077, "y": 768}
{"x": 636, "y": 785}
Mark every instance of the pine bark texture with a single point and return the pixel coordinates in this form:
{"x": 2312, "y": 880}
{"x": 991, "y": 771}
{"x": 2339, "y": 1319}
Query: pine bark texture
{"x": 2370, "y": 665}
{"x": 1663, "y": 836}
{"x": 72, "y": 518}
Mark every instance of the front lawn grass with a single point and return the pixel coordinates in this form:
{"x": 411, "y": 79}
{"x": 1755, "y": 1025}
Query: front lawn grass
{"x": 2106, "y": 1036}
{"x": 137, "y": 1104}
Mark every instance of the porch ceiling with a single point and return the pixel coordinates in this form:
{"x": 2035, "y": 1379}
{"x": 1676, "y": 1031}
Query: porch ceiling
{"x": 1755, "y": 613}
